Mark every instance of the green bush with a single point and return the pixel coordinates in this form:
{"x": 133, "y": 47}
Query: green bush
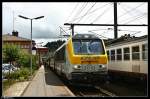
{"x": 21, "y": 78}
{"x": 23, "y": 72}
{"x": 25, "y": 59}
{"x": 14, "y": 75}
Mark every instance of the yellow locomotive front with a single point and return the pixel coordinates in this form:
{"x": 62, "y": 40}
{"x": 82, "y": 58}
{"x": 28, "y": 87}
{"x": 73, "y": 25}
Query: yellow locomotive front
{"x": 87, "y": 57}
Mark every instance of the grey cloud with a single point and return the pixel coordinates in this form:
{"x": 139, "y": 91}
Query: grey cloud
{"x": 47, "y": 33}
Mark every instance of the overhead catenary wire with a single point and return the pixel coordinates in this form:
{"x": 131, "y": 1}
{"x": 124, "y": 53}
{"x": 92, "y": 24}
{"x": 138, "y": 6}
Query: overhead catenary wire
{"x": 101, "y": 15}
{"x": 72, "y": 11}
{"x": 142, "y": 16}
{"x": 83, "y": 7}
{"x": 99, "y": 8}
{"x": 95, "y": 10}
{"x": 84, "y": 14}
{"x": 129, "y": 11}
{"x": 87, "y": 12}
{"x": 92, "y": 11}
{"x": 101, "y": 29}
{"x": 136, "y": 33}
{"x": 135, "y": 10}
{"x": 79, "y": 11}
{"x": 99, "y": 35}
{"x": 63, "y": 30}
{"x": 127, "y": 30}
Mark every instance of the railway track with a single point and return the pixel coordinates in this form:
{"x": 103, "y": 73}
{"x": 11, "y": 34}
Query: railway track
{"x": 87, "y": 90}
{"x": 97, "y": 92}
{"x": 104, "y": 91}
{"x": 90, "y": 91}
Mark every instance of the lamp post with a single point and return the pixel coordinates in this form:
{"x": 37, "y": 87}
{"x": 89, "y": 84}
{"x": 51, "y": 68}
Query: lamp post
{"x": 31, "y": 34}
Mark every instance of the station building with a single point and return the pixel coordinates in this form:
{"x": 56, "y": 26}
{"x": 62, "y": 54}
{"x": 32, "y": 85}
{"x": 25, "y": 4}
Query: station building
{"x": 14, "y": 39}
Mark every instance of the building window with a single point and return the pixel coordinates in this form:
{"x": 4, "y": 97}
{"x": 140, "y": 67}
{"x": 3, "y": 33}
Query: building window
{"x": 108, "y": 54}
{"x": 145, "y": 51}
{"x": 135, "y": 53}
{"x": 112, "y": 54}
{"x": 126, "y": 53}
{"x": 119, "y": 54}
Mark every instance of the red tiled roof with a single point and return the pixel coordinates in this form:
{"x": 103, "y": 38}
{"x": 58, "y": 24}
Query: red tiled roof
{"x": 8, "y": 37}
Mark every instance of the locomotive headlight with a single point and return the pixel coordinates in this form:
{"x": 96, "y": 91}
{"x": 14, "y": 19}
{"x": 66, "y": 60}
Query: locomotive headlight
{"x": 77, "y": 66}
{"x": 101, "y": 66}
{"x": 86, "y": 36}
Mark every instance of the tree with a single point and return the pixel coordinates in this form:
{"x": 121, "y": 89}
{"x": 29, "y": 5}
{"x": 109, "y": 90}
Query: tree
{"x": 10, "y": 54}
{"x": 54, "y": 45}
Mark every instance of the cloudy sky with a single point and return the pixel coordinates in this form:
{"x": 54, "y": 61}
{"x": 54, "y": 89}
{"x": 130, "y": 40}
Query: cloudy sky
{"x": 57, "y": 13}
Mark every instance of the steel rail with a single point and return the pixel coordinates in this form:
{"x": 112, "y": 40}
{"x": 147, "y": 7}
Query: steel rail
{"x": 105, "y": 91}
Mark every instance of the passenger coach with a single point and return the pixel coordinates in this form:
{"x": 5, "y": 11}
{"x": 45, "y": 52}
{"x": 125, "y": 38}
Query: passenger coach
{"x": 128, "y": 57}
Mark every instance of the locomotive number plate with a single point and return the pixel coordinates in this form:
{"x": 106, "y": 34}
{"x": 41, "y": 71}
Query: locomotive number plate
{"x": 89, "y": 68}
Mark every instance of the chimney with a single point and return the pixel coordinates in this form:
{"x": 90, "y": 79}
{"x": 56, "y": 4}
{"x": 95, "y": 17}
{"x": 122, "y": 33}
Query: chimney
{"x": 15, "y": 33}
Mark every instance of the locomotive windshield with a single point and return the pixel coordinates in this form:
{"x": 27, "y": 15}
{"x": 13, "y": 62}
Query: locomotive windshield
{"x": 88, "y": 46}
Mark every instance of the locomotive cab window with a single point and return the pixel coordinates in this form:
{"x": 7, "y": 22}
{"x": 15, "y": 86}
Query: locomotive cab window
{"x": 135, "y": 53}
{"x": 88, "y": 46}
{"x": 145, "y": 51}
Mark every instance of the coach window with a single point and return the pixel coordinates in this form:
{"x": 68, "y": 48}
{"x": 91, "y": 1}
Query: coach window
{"x": 135, "y": 53}
{"x": 112, "y": 54}
{"x": 126, "y": 53}
{"x": 108, "y": 54}
{"x": 119, "y": 54}
{"x": 144, "y": 51}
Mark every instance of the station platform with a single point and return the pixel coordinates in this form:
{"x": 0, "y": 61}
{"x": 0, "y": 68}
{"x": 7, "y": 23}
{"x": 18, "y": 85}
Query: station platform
{"x": 46, "y": 84}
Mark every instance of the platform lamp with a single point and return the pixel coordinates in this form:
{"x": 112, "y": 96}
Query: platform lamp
{"x": 31, "y": 33}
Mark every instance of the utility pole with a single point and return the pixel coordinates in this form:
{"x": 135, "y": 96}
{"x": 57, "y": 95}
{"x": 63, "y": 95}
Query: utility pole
{"x": 13, "y": 21}
{"x": 31, "y": 49}
{"x": 115, "y": 21}
{"x": 72, "y": 27}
